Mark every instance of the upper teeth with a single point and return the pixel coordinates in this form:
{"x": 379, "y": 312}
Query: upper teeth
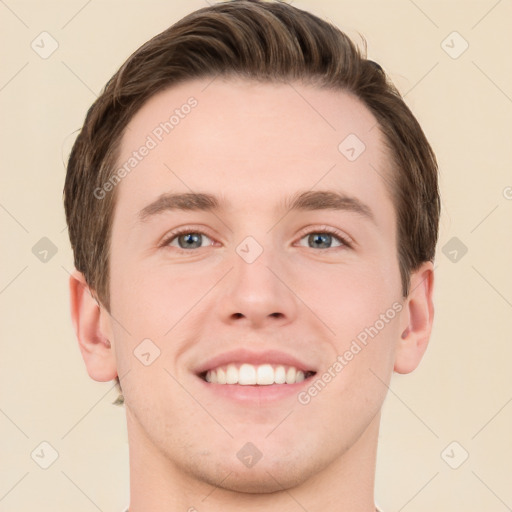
{"x": 248, "y": 374}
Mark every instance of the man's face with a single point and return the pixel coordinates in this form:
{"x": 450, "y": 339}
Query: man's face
{"x": 254, "y": 281}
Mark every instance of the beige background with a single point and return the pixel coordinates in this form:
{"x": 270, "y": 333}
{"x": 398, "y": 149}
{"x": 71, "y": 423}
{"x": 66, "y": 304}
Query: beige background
{"x": 463, "y": 390}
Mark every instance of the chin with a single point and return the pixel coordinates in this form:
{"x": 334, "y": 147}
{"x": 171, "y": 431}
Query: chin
{"x": 268, "y": 475}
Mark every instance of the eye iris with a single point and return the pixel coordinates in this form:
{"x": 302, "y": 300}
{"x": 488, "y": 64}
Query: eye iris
{"x": 190, "y": 240}
{"x": 322, "y": 240}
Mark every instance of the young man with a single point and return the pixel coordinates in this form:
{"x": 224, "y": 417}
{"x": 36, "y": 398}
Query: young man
{"x": 253, "y": 211}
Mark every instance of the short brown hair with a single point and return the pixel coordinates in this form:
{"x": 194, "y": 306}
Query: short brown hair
{"x": 256, "y": 40}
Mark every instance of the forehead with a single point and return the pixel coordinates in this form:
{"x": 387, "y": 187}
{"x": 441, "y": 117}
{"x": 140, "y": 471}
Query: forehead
{"x": 243, "y": 139}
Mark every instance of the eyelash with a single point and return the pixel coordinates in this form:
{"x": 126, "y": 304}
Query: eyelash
{"x": 344, "y": 239}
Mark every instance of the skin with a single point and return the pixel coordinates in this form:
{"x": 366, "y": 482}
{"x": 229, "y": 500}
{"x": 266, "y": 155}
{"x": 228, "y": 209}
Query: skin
{"x": 253, "y": 145}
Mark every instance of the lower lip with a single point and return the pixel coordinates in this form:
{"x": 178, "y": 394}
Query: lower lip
{"x": 256, "y": 393}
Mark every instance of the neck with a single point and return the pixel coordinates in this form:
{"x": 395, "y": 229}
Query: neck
{"x": 156, "y": 483}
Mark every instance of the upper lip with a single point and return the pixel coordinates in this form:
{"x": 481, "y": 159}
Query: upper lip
{"x": 240, "y": 356}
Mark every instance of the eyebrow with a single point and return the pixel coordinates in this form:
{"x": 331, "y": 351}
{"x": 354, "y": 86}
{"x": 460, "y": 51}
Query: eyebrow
{"x": 301, "y": 201}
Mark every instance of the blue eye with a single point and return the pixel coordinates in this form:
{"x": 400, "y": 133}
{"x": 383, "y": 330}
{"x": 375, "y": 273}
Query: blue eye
{"x": 323, "y": 240}
{"x": 320, "y": 240}
{"x": 188, "y": 240}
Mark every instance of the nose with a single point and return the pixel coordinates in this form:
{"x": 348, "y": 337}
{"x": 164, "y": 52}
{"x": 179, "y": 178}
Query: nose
{"x": 258, "y": 294}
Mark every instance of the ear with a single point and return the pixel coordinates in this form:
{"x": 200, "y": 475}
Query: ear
{"x": 92, "y": 328}
{"x": 416, "y": 320}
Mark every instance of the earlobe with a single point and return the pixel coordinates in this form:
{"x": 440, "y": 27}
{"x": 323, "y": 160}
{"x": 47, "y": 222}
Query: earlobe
{"x": 418, "y": 315}
{"x": 94, "y": 343}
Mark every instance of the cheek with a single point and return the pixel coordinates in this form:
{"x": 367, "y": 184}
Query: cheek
{"x": 350, "y": 296}
{"x": 362, "y": 307}
{"x": 146, "y": 299}
{"x": 358, "y": 371}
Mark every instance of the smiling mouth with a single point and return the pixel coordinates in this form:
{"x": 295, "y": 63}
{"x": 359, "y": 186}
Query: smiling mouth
{"x": 259, "y": 375}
